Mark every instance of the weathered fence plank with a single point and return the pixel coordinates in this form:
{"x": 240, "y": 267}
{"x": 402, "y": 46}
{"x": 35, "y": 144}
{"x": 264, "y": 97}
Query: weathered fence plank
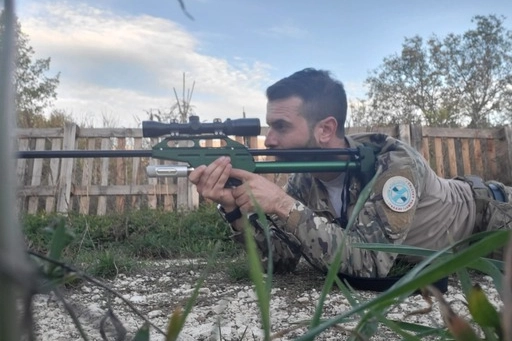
{"x": 66, "y": 169}
{"x": 452, "y": 158}
{"x": 507, "y": 151}
{"x": 37, "y": 172}
{"x": 104, "y": 173}
{"x": 120, "y": 174}
{"x": 137, "y": 145}
{"x": 53, "y": 175}
{"x": 87, "y": 178}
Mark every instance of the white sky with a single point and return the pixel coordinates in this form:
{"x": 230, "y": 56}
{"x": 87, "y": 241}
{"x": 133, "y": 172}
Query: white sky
{"x": 120, "y": 58}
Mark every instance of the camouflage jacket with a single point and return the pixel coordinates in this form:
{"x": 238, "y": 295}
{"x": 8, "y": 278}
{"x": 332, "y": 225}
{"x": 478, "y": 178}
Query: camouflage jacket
{"x": 408, "y": 204}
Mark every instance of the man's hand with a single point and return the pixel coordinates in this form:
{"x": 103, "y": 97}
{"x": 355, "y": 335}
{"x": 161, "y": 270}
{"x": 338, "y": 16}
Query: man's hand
{"x": 210, "y": 181}
{"x": 269, "y": 196}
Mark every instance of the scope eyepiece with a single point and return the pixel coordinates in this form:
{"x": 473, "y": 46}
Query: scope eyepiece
{"x": 239, "y": 127}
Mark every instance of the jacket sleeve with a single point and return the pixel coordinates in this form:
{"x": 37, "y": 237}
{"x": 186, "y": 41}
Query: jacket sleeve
{"x": 386, "y": 217}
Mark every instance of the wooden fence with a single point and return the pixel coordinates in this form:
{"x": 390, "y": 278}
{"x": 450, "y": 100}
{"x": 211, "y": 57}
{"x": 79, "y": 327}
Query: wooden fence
{"x": 101, "y": 185}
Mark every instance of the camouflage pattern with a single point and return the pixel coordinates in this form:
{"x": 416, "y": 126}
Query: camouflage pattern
{"x": 495, "y": 215}
{"x": 442, "y": 212}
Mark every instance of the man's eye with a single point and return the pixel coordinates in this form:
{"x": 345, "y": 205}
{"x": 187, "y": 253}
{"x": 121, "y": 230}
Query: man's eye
{"x": 280, "y": 127}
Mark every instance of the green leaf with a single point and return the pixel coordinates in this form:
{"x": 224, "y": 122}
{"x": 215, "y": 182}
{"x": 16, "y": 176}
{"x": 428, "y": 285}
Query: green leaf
{"x": 256, "y": 274}
{"x": 481, "y": 309}
{"x": 175, "y": 325}
{"x": 142, "y": 334}
{"x": 422, "y": 275}
{"x": 60, "y": 239}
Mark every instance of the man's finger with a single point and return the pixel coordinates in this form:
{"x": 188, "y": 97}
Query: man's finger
{"x": 196, "y": 174}
{"x": 240, "y": 174}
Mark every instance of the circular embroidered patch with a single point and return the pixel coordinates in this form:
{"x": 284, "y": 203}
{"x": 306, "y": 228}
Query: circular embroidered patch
{"x": 399, "y": 194}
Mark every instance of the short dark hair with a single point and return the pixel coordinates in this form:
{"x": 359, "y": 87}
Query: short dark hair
{"x": 323, "y": 96}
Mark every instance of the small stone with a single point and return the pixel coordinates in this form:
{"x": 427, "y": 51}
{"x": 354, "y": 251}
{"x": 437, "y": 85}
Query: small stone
{"x": 155, "y": 313}
{"x": 303, "y": 299}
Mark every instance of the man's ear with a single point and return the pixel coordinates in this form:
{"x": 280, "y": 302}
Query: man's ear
{"x": 325, "y": 130}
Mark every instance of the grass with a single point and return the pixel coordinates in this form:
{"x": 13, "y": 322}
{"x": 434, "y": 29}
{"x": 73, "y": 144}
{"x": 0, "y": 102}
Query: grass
{"x": 106, "y": 245}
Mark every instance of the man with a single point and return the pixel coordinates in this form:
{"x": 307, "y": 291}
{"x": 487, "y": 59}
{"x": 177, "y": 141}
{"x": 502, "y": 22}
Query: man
{"x": 409, "y": 204}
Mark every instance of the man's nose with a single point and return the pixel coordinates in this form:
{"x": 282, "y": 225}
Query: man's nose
{"x": 270, "y": 140}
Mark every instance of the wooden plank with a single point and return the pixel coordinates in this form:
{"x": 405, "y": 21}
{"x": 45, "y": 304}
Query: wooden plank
{"x": 462, "y": 133}
{"x": 137, "y": 144}
{"x": 466, "y": 160}
{"x": 479, "y": 166}
{"x": 84, "y": 201}
{"x": 491, "y": 158}
{"x": 120, "y": 174}
{"x": 98, "y": 190}
{"x": 183, "y": 187}
{"x": 41, "y": 191}
{"x": 106, "y": 144}
{"x": 39, "y": 132}
{"x": 66, "y": 170}
{"x": 53, "y": 175}
{"x": 425, "y": 150}
{"x": 37, "y": 172}
{"x": 253, "y": 142}
{"x": 404, "y": 133}
{"x": 193, "y": 197}
{"x": 20, "y": 172}
{"x": 22, "y": 163}
{"x": 452, "y": 158}
{"x": 110, "y": 132}
{"x": 438, "y": 148}
{"x": 391, "y": 131}
{"x": 416, "y": 137}
{"x": 122, "y": 190}
{"x": 507, "y": 175}
{"x": 181, "y": 197}
{"x": 152, "y": 198}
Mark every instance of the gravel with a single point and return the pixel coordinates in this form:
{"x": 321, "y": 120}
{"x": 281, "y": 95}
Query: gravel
{"x": 225, "y": 309}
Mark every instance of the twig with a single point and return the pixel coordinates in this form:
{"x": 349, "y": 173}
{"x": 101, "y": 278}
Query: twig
{"x": 71, "y": 313}
{"x": 100, "y": 284}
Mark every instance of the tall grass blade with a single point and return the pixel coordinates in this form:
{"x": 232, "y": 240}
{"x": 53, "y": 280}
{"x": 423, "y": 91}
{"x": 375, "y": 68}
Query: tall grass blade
{"x": 142, "y": 334}
{"x": 256, "y": 275}
{"x": 429, "y": 274}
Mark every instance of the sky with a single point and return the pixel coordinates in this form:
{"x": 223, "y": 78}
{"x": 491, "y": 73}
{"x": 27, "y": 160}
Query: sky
{"x": 120, "y": 59}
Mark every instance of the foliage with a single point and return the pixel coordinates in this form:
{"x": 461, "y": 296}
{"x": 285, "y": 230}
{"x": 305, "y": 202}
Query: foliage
{"x": 136, "y": 234}
{"x": 35, "y": 91}
{"x": 460, "y": 80}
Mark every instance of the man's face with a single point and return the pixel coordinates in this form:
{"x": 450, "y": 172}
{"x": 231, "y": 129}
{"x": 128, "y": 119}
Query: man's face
{"x": 287, "y": 127}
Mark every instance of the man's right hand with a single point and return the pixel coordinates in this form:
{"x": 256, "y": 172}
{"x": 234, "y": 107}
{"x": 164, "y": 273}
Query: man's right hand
{"x": 210, "y": 181}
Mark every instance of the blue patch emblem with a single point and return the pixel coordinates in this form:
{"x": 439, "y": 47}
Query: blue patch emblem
{"x": 399, "y": 194}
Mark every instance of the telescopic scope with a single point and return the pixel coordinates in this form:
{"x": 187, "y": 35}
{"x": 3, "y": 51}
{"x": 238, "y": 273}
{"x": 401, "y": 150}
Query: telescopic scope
{"x": 238, "y": 127}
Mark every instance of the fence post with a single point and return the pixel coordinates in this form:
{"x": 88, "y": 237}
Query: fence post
{"x": 507, "y": 130}
{"x": 404, "y": 133}
{"x": 417, "y": 137}
{"x": 66, "y": 169}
